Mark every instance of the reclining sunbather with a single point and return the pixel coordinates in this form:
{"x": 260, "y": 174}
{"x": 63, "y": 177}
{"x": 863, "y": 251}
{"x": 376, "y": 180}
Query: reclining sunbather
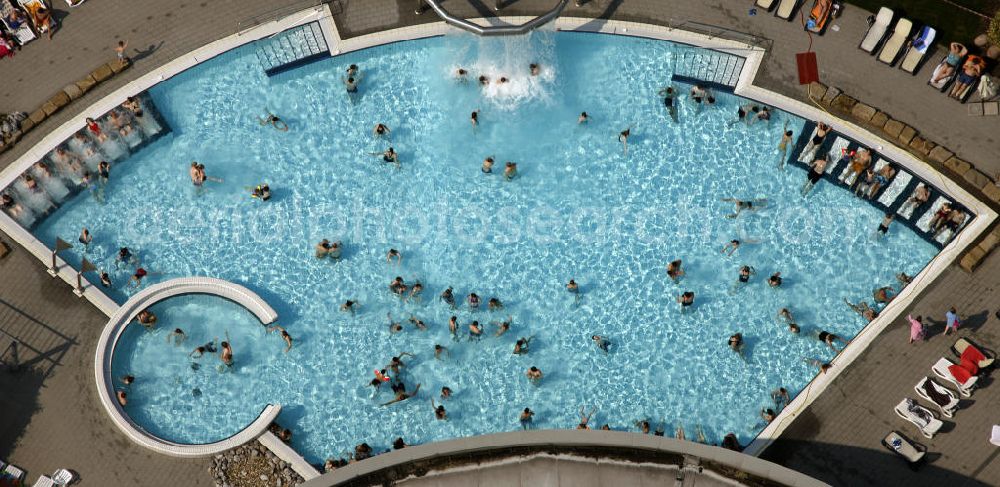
{"x": 970, "y": 73}
{"x": 955, "y": 54}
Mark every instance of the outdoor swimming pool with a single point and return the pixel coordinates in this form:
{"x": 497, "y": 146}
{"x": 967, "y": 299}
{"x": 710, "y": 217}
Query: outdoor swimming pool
{"x": 579, "y": 209}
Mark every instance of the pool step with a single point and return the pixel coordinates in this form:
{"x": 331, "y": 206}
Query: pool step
{"x": 889, "y": 199}
{"x": 292, "y": 48}
{"x": 718, "y": 69}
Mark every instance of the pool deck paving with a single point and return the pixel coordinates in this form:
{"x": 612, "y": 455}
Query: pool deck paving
{"x": 51, "y": 418}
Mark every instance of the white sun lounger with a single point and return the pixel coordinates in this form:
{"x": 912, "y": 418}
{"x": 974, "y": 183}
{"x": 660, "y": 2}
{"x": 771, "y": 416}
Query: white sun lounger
{"x": 940, "y": 369}
{"x": 942, "y": 397}
{"x": 786, "y": 8}
{"x": 918, "y": 50}
{"x": 13, "y": 472}
{"x": 44, "y": 481}
{"x": 895, "y": 442}
{"x": 924, "y": 224}
{"x": 894, "y": 45}
{"x": 765, "y": 4}
{"x": 24, "y": 34}
{"x": 895, "y": 189}
{"x": 920, "y": 416}
{"x": 995, "y": 435}
{"x": 63, "y": 477}
{"x": 876, "y": 31}
{"x": 836, "y": 152}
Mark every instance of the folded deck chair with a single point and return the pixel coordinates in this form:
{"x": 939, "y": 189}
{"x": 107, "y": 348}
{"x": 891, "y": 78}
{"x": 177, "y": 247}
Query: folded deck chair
{"x": 895, "y": 442}
{"x": 876, "y": 31}
{"x": 32, "y": 6}
{"x": 23, "y": 32}
{"x": 966, "y": 349}
{"x": 767, "y": 5}
{"x": 920, "y": 416}
{"x": 894, "y": 44}
{"x": 963, "y": 381}
{"x": 920, "y": 46}
{"x": 937, "y": 395}
{"x": 786, "y": 8}
{"x": 819, "y": 15}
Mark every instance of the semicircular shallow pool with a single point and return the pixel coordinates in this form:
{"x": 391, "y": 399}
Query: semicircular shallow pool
{"x": 579, "y": 209}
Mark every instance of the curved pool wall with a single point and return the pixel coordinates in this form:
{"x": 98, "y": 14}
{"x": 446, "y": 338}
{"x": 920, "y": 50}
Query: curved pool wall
{"x": 125, "y": 315}
{"x": 744, "y": 88}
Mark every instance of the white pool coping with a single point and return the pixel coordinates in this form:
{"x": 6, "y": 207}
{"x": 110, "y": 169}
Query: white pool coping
{"x": 288, "y": 455}
{"x": 984, "y": 215}
{"x": 121, "y": 319}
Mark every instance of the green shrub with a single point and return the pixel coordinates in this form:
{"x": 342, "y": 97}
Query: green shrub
{"x": 994, "y": 31}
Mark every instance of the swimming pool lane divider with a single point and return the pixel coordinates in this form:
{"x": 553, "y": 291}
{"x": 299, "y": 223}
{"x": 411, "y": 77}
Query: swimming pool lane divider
{"x": 113, "y": 331}
{"x": 744, "y": 88}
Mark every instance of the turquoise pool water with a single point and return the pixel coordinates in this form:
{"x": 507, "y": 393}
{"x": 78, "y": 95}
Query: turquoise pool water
{"x": 579, "y": 209}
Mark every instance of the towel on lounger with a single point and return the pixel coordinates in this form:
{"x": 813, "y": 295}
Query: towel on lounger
{"x": 972, "y": 355}
{"x": 969, "y": 365}
{"x": 961, "y": 374}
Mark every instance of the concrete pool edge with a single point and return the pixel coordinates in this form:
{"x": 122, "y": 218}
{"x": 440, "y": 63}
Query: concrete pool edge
{"x": 124, "y": 315}
{"x": 745, "y": 88}
{"x": 538, "y": 440}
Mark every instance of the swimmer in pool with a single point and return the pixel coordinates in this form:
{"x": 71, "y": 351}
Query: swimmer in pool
{"x": 394, "y": 254}
{"x": 731, "y": 247}
{"x": 674, "y": 270}
{"x": 147, "y": 319}
{"x": 601, "y": 342}
{"x": 503, "y": 326}
{"x": 446, "y": 392}
{"x": 668, "y": 95}
{"x": 227, "y": 354}
{"x": 448, "y": 296}
{"x": 775, "y": 280}
{"x": 534, "y": 375}
{"x": 785, "y": 315}
{"x": 828, "y": 339}
{"x": 462, "y": 75}
{"x": 745, "y": 273}
{"x": 274, "y": 121}
{"x": 862, "y": 309}
{"x": 402, "y": 395}
{"x": 453, "y": 326}
{"x": 736, "y": 343}
{"x": 391, "y": 156}
{"x": 494, "y": 304}
{"x": 284, "y": 336}
{"x": 535, "y": 69}
{"x": 439, "y": 412}
{"x": 584, "y": 418}
{"x": 440, "y": 350}
{"x": 177, "y": 336}
{"x": 749, "y": 205}
{"x": 418, "y": 323}
{"x": 510, "y": 171}
{"x": 394, "y": 327}
{"x": 473, "y": 301}
{"x": 380, "y": 130}
{"x": 573, "y": 287}
{"x": 475, "y": 331}
{"x": 686, "y": 300}
{"x": 526, "y": 418}
{"x": 487, "y": 165}
{"x": 884, "y": 294}
{"x": 522, "y": 344}
{"x": 349, "y": 306}
{"x": 474, "y": 118}
{"x": 415, "y": 292}
{"x": 583, "y": 118}
{"x": 623, "y": 138}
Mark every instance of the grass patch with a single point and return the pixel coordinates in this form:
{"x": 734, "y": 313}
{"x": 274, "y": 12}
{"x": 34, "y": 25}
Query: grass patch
{"x": 951, "y": 22}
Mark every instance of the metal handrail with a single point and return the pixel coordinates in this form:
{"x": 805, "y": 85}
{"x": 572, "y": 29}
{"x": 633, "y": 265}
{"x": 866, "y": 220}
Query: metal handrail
{"x": 715, "y": 31}
{"x": 498, "y": 30}
{"x": 276, "y": 13}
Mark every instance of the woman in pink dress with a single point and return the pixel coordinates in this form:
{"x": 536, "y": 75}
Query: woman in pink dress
{"x": 916, "y": 328}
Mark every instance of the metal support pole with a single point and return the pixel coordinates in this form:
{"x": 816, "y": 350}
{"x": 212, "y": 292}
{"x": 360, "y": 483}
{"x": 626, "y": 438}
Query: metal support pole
{"x": 53, "y": 270}
{"x": 79, "y": 285}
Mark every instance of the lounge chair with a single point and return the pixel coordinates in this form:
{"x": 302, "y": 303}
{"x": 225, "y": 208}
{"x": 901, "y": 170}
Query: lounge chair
{"x": 937, "y": 395}
{"x": 63, "y": 477}
{"x": 920, "y": 416}
{"x": 12, "y": 472}
{"x": 32, "y": 6}
{"x": 894, "y": 44}
{"x": 767, "y": 5}
{"x": 818, "y": 16}
{"x": 920, "y": 46}
{"x": 944, "y": 83}
{"x": 44, "y": 481}
{"x": 965, "y": 349}
{"x": 896, "y": 442}
{"x": 786, "y": 8}
{"x": 965, "y": 382}
{"x": 877, "y": 28}
{"x": 23, "y": 32}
